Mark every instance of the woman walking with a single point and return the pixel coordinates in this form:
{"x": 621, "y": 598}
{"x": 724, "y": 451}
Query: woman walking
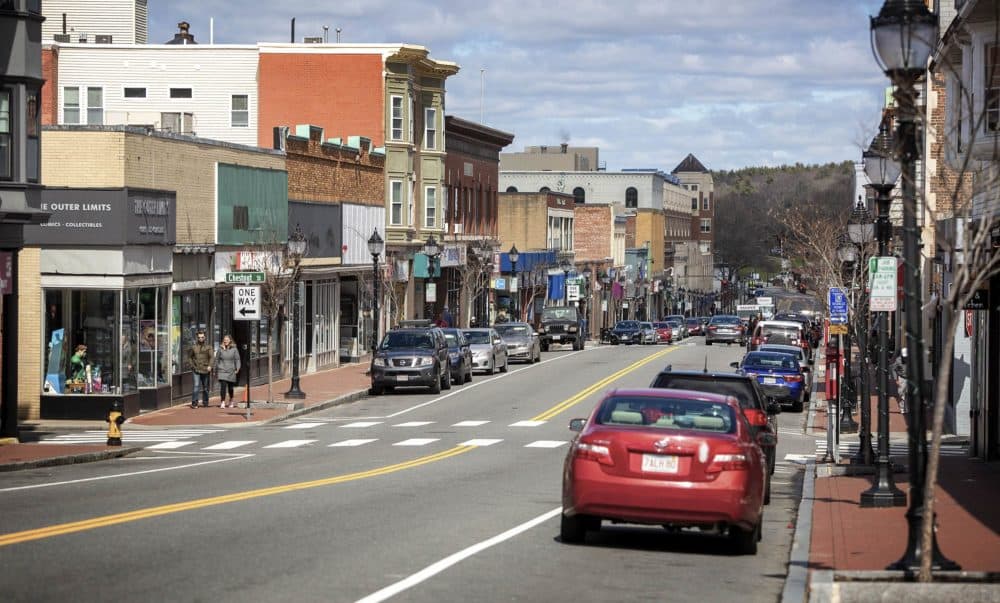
{"x": 227, "y": 366}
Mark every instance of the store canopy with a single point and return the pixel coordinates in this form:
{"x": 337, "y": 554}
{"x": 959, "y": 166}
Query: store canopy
{"x": 529, "y": 260}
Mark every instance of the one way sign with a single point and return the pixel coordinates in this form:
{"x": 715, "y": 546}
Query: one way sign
{"x": 246, "y": 303}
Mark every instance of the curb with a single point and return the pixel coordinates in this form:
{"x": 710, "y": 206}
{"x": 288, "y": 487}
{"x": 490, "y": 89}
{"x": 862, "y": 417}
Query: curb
{"x": 831, "y": 586}
{"x": 86, "y": 457}
{"x": 797, "y": 580}
{"x": 345, "y": 399}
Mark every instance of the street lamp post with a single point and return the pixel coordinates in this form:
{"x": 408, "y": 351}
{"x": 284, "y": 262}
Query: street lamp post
{"x": 514, "y": 255}
{"x": 904, "y": 34}
{"x": 297, "y": 246}
{"x": 883, "y": 172}
{"x": 586, "y": 303}
{"x": 484, "y": 253}
{"x": 861, "y": 231}
{"x": 848, "y": 255}
{"x": 606, "y": 284}
{"x": 566, "y": 267}
{"x": 432, "y": 250}
{"x": 375, "y": 247}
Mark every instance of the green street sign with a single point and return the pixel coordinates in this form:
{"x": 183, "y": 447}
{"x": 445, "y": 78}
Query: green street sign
{"x": 245, "y": 277}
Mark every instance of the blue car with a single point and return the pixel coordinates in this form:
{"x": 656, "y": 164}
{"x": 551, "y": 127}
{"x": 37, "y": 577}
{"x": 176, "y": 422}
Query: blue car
{"x": 779, "y": 376}
{"x": 627, "y": 331}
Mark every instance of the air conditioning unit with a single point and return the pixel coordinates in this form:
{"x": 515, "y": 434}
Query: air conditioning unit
{"x": 457, "y": 228}
{"x": 62, "y": 38}
{"x": 313, "y": 39}
{"x": 102, "y": 39}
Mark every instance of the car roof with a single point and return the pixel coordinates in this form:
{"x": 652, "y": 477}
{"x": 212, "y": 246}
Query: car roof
{"x": 512, "y": 324}
{"x": 779, "y": 323}
{"x": 662, "y": 392}
{"x": 708, "y": 375}
{"x": 780, "y": 347}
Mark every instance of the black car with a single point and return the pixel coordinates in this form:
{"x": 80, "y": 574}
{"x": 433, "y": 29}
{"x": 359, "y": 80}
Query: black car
{"x": 626, "y": 331}
{"x": 416, "y": 354}
{"x": 759, "y": 410}
{"x": 561, "y": 325}
{"x": 459, "y": 355}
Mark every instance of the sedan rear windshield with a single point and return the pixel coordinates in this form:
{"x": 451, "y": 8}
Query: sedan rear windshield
{"x": 477, "y": 336}
{"x": 779, "y": 334}
{"x": 667, "y": 414}
{"x": 741, "y": 388}
{"x": 770, "y": 360}
{"x": 724, "y": 320}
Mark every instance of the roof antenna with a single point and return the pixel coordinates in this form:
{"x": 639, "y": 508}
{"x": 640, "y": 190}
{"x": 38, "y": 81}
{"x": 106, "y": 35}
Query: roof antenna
{"x": 706, "y": 363}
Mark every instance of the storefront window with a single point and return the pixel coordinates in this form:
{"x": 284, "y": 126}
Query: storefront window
{"x": 130, "y": 340}
{"x": 192, "y": 311}
{"x": 152, "y": 338}
{"x": 82, "y": 342}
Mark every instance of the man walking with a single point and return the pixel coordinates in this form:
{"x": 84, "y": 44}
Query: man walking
{"x": 200, "y": 363}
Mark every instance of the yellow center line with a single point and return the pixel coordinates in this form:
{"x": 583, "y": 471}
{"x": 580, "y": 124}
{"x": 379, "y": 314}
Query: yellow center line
{"x": 578, "y": 397}
{"x": 110, "y": 520}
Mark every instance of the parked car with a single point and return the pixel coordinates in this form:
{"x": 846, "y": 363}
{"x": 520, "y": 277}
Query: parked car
{"x": 626, "y": 331}
{"x": 647, "y": 334}
{"x": 522, "y": 341}
{"x": 778, "y": 374}
{"x": 665, "y": 457}
{"x": 561, "y": 325}
{"x": 724, "y": 328}
{"x": 800, "y": 355}
{"x": 694, "y": 326}
{"x": 761, "y": 412}
{"x": 663, "y": 330}
{"x": 412, "y": 355}
{"x": 776, "y": 331}
{"x": 489, "y": 352}
{"x": 676, "y": 330}
{"x": 459, "y": 355}
{"x": 680, "y": 319}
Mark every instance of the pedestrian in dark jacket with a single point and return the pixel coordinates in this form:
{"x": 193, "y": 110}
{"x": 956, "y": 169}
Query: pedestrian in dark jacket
{"x": 227, "y": 367}
{"x": 199, "y": 360}
{"x": 899, "y": 371}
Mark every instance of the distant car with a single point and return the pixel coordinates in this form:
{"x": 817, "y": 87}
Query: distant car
{"x": 724, "y": 328}
{"x": 664, "y": 331}
{"x": 694, "y": 326}
{"x": 665, "y": 457}
{"x": 489, "y": 352}
{"x": 561, "y": 325}
{"x": 778, "y": 331}
{"x": 779, "y": 375}
{"x": 522, "y": 341}
{"x": 676, "y": 330}
{"x": 647, "y": 334}
{"x": 626, "y": 331}
{"x": 800, "y": 355}
{"x": 413, "y": 355}
{"x": 681, "y": 320}
{"x": 459, "y": 354}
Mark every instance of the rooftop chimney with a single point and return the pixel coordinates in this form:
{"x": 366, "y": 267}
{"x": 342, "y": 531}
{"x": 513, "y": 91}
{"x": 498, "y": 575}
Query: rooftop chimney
{"x": 564, "y": 146}
{"x": 184, "y": 36}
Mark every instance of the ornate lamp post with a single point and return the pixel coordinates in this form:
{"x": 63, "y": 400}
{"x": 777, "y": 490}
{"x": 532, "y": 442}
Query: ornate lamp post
{"x": 484, "y": 253}
{"x": 904, "y": 34}
{"x": 514, "y": 255}
{"x": 847, "y": 253}
{"x": 882, "y": 172}
{"x": 606, "y": 284}
{"x": 432, "y": 250}
{"x": 587, "y": 272}
{"x": 375, "y": 247}
{"x": 861, "y": 231}
{"x": 297, "y": 247}
{"x": 565, "y": 266}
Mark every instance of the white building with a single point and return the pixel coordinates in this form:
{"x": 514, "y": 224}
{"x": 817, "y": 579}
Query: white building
{"x": 116, "y": 22}
{"x": 650, "y": 189}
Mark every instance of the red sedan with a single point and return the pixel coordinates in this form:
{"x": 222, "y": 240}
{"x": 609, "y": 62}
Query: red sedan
{"x": 664, "y": 331}
{"x": 667, "y": 457}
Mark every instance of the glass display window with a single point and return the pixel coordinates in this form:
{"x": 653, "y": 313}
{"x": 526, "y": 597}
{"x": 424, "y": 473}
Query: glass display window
{"x": 192, "y": 313}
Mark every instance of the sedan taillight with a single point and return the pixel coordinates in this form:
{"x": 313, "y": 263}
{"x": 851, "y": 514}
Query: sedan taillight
{"x": 593, "y": 452}
{"x": 755, "y": 416}
{"x": 713, "y": 328}
{"x": 727, "y": 459}
{"x": 793, "y": 378}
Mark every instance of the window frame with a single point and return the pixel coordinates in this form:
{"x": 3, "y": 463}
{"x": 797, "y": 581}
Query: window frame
{"x": 395, "y": 202}
{"x": 172, "y": 95}
{"x": 7, "y": 165}
{"x": 582, "y": 197}
{"x": 33, "y": 136}
{"x": 705, "y": 227}
{"x": 632, "y": 197}
{"x": 233, "y": 111}
{"x": 91, "y": 108}
{"x": 706, "y": 204}
{"x": 430, "y": 128}
{"x": 694, "y": 203}
{"x": 393, "y": 118}
{"x": 430, "y": 206}
{"x": 125, "y": 90}
{"x": 76, "y": 106}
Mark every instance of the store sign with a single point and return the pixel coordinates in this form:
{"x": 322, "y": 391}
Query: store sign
{"x": 453, "y": 255}
{"x": 979, "y": 301}
{"x": 105, "y": 217}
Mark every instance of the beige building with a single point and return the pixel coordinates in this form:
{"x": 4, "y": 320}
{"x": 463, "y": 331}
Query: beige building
{"x": 563, "y": 158}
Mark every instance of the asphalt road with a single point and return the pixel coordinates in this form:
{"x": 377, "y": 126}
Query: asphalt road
{"x": 403, "y": 497}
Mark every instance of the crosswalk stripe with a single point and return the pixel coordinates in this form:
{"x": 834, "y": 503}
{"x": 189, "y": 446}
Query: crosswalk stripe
{"x": 290, "y": 444}
{"x": 545, "y": 444}
{"x": 414, "y": 424}
{"x": 229, "y": 445}
{"x": 304, "y": 425}
{"x": 481, "y": 442}
{"x": 527, "y": 424}
{"x": 416, "y": 442}
{"x": 169, "y": 445}
{"x": 351, "y": 443}
{"x": 359, "y": 424}
{"x": 470, "y": 423}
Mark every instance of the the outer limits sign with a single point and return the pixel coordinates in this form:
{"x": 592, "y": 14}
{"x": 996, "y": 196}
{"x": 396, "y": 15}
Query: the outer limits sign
{"x": 246, "y": 303}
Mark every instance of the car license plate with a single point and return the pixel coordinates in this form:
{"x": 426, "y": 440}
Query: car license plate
{"x": 402, "y": 377}
{"x": 556, "y": 337}
{"x": 770, "y": 380}
{"x": 659, "y": 463}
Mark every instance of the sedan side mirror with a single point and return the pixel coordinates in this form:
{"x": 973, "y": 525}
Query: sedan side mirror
{"x": 577, "y": 424}
{"x": 734, "y": 364}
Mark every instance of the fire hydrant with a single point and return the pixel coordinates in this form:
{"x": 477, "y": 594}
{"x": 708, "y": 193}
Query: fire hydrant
{"x": 115, "y": 419}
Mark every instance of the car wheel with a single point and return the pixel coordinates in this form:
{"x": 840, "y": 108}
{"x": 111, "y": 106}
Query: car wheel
{"x": 503, "y": 369}
{"x": 744, "y": 542}
{"x": 493, "y": 367}
{"x": 572, "y": 530}
{"x": 390, "y": 388}
{"x": 797, "y": 406}
{"x": 468, "y": 375}
{"x": 707, "y": 342}
{"x": 447, "y": 380}
{"x": 767, "y": 491}
{"x": 377, "y": 390}
{"x": 545, "y": 347}
{"x": 436, "y": 386}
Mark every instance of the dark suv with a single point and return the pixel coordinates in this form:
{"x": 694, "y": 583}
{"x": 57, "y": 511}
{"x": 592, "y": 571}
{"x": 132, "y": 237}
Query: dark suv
{"x": 561, "y": 324}
{"x": 759, "y": 410}
{"x": 414, "y": 354}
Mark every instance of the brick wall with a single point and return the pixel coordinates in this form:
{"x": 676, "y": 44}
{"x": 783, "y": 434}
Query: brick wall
{"x": 50, "y": 89}
{"x": 29, "y": 334}
{"x": 593, "y": 226}
{"x": 476, "y": 208}
{"x": 630, "y": 232}
{"x": 323, "y": 172}
{"x": 345, "y": 91}
{"x": 943, "y": 180}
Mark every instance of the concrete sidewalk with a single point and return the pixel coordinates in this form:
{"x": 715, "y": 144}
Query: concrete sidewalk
{"x": 323, "y": 389}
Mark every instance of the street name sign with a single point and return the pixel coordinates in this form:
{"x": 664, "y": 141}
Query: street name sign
{"x": 246, "y": 302}
{"x": 882, "y": 271}
{"x": 245, "y": 276}
{"x": 838, "y": 306}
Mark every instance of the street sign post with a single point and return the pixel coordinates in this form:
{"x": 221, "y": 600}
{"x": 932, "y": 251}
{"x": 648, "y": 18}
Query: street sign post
{"x": 245, "y": 276}
{"x": 882, "y": 282}
{"x": 246, "y": 302}
{"x": 838, "y": 306}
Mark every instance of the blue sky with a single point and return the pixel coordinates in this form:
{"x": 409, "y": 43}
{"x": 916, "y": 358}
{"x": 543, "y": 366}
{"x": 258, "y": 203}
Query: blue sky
{"x": 736, "y": 82}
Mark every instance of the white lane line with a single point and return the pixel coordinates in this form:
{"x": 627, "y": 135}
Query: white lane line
{"x": 233, "y": 457}
{"x": 351, "y": 443}
{"x": 304, "y": 425}
{"x": 416, "y": 442}
{"x": 290, "y": 444}
{"x": 359, "y": 424}
{"x": 546, "y": 444}
{"x": 414, "y": 424}
{"x": 436, "y": 568}
{"x": 229, "y": 445}
{"x": 168, "y": 445}
{"x": 480, "y": 442}
{"x": 527, "y": 424}
{"x": 470, "y": 423}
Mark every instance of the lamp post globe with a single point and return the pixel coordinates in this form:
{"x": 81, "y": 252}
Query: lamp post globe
{"x": 297, "y": 247}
